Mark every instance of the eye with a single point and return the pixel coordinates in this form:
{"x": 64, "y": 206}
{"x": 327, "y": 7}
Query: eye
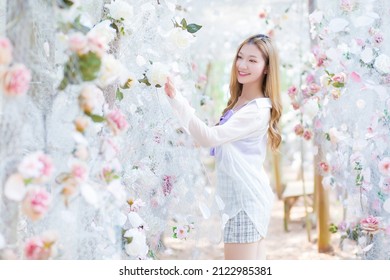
{"x": 251, "y": 60}
{"x": 239, "y": 57}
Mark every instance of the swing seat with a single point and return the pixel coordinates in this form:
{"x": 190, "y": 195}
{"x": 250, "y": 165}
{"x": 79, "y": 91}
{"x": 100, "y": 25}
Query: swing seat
{"x": 292, "y": 192}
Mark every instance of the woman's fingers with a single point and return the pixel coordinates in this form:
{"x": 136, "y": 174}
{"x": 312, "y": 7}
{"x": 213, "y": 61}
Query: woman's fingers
{"x": 169, "y": 88}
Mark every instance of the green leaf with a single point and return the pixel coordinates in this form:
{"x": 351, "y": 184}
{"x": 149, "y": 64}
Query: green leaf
{"x": 145, "y": 81}
{"x": 97, "y": 118}
{"x": 119, "y": 95}
{"x": 158, "y": 86}
{"x": 327, "y": 136}
{"x": 333, "y": 228}
{"x": 129, "y": 239}
{"x": 338, "y": 85}
{"x": 184, "y": 23}
{"x": 174, "y": 228}
{"x": 64, "y": 83}
{"x": 192, "y": 28}
{"x": 89, "y": 65}
{"x": 174, "y": 235}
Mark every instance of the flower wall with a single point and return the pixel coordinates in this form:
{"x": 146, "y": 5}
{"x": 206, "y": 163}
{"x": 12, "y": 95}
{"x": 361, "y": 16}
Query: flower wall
{"x": 93, "y": 164}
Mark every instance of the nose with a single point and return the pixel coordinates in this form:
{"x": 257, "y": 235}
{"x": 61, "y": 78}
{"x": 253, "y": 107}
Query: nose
{"x": 241, "y": 64}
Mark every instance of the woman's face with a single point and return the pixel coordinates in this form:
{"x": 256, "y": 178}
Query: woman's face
{"x": 250, "y": 64}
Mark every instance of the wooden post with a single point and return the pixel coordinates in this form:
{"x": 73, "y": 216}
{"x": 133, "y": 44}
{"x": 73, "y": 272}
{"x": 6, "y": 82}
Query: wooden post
{"x": 276, "y": 172}
{"x": 322, "y": 197}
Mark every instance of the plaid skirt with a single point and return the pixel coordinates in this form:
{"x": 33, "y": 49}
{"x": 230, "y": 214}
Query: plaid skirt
{"x": 240, "y": 229}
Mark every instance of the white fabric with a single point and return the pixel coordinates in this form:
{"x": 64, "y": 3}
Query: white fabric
{"x": 240, "y": 152}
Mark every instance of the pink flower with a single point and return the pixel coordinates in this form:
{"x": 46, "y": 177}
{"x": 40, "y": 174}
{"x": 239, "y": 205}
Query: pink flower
{"x": 339, "y": 78}
{"x": 378, "y": 38}
{"x": 167, "y": 184}
{"x": 117, "y": 121}
{"x": 292, "y": 91}
{"x": 324, "y": 166}
{"x": 79, "y": 171}
{"x": 360, "y": 42}
{"x": 181, "y": 232}
{"x": 5, "y": 51}
{"x": 298, "y": 129}
{"x": 91, "y": 99}
{"x": 16, "y": 80}
{"x": 347, "y": 5}
{"x": 335, "y": 93}
{"x": 78, "y": 43}
{"x": 314, "y": 88}
{"x": 262, "y": 14}
{"x": 36, "y": 166}
{"x": 40, "y": 248}
{"x": 384, "y": 166}
{"x": 310, "y": 79}
{"x": 295, "y": 105}
{"x": 370, "y": 224}
{"x": 36, "y": 203}
{"x": 97, "y": 44}
{"x": 307, "y": 135}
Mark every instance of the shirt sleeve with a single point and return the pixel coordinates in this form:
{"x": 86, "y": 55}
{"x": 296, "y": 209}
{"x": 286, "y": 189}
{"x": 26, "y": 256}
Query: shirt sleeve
{"x": 244, "y": 122}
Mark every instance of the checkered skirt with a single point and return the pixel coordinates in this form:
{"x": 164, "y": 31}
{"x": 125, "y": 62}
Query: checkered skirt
{"x": 240, "y": 229}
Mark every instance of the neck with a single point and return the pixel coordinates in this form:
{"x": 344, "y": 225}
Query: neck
{"x": 251, "y": 91}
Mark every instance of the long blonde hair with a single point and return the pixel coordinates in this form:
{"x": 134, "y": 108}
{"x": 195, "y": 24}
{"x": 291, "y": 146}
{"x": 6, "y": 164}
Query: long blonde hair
{"x": 270, "y": 86}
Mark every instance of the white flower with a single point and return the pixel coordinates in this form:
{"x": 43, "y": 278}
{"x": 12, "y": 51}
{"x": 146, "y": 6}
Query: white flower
{"x": 122, "y": 11}
{"x": 135, "y": 220}
{"x": 118, "y": 191}
{"x": 14, "y": 187}
{"x": 137, "y": 247}
{"x": 310, "y": 108}
{"x": 158, "y": 74}
{"x": 382, "y": 63}
{"x": 111, "y": 70}
{"x": 91, "y": 99}
{"x": 104, "y": 31}
{"x": 180, "y": 38}
{"x": 367, "y": 55}
{"x": 338, "y": 24}
{"x": 316, "y": 17}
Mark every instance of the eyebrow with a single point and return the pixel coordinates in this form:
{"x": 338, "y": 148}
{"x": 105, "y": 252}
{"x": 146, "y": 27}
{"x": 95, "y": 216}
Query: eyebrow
{"x": 249, "y": 56}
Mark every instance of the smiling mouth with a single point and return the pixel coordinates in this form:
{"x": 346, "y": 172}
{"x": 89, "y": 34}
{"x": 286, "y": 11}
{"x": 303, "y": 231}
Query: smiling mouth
{"x": 243, "y": 74}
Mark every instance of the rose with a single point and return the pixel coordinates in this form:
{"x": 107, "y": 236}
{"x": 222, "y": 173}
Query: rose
{"x": 307, "y": 135}
{"x": 295, "y": 104}
{"x": 382, "y": 64}
{"x": 136, "y": 246}
{"x": 36, "y": 166}
{"x": 97, "y": 44}
{"x": 15, "y": 80}
{"x": 378, "y": 38}
{"x": 347, "y": 5}
{"x": 314, "y": 88}
{"x": 370, "y": 224}
{"x": 180, "y": 38}
{"x": 324, "y": 166}
{"x": 5, "y": 51}
{"x": 91, "y": 100}
{"x": 41, "y": 248}
{"x": 121, "y": 11}
{"x": 78, "y": 43}
{"x": 117, "y": 121}
{"x": 111, "y": 70}
{"x": 298, "y": 129}
{"x": 292, "y": 91}
{"x": 158, "y": 74}
{"x": 104, "y": 31}
{"x": 36, "y": 203}
{"x": 339, "y": 78}
{"x": 79, "y": 171}
{"x": 384, "y": 166}
{"x": 336, "y": 93}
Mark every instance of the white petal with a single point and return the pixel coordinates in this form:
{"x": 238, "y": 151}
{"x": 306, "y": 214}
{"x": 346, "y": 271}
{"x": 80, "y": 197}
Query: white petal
{"x": 386, "y": 205}
{"x": 338, "y": 24}
{"x": 15, "y": 188}
{"x": 89, "y": 194}
{"x": 368, "y": 248}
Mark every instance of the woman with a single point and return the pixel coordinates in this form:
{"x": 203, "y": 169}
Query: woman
{"x": 240, "y": 139}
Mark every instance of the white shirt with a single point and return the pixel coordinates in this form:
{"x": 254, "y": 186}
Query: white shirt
{"x": 241, "y": 145}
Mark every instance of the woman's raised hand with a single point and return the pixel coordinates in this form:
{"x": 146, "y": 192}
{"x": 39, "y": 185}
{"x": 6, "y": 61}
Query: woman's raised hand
{"x": 170, "y": 88}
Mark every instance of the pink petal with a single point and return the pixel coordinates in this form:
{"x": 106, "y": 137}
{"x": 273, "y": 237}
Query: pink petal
{"x": 356, "y": 77}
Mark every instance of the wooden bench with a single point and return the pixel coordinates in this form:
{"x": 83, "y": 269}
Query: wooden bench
{"x": 292, "y": 192}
